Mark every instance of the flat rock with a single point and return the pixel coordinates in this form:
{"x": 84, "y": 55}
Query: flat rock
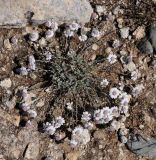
{"x": 145, "y": 147}
{"x": 15, "y": 13}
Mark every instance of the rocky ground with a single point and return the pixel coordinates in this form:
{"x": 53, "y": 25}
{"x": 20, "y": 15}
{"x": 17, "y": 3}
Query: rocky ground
{"x": 68, "y": 71}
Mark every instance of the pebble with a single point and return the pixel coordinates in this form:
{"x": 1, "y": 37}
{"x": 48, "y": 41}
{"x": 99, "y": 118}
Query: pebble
{"x": 145, "y": 47}
{"x": 108, "y": 50}
{"x": 120, "y": 22}
{"x": 153, "y": 36}
{"x": 124, "y": 32}
{"x": 139, "y": 32}
{"x": 6, "y": 83}
{"x": 95, "y": 47}
{"x": 7, "y": 44}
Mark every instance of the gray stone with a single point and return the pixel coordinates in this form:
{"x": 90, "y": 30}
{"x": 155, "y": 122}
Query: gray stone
{"x": 16, "y": 12}
{"x": 153, "y": 36}
{"x": 141, "y": 146}
{"x": 145, "y": 47}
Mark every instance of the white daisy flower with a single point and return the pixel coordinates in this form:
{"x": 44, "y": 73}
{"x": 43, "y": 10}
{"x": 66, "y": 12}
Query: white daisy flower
{"x": 112, "y": 58}
{"x": 123, "y": 109}
{"x": 114, "y": 93}
{"x": 68, "y": 33}
{"x": 77, "y": 130}
{"x": 105, "y": 111}
{"x": 49, "y": 128}
{"x": 104, "y": 83}
{"x": 137, "y": 90}
{"x": 59, "y": 121}
{"x": 74, "y": 26}
{"x": 115, "y": 111}
{"x": 83, "y": 37}
{"x": 98, "y": 115}
{"x": 124, "y": 101}
{"x": 49, "y": 34}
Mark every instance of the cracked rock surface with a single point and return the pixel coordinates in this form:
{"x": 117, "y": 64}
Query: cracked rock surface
{"x": 16, "y": 12}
